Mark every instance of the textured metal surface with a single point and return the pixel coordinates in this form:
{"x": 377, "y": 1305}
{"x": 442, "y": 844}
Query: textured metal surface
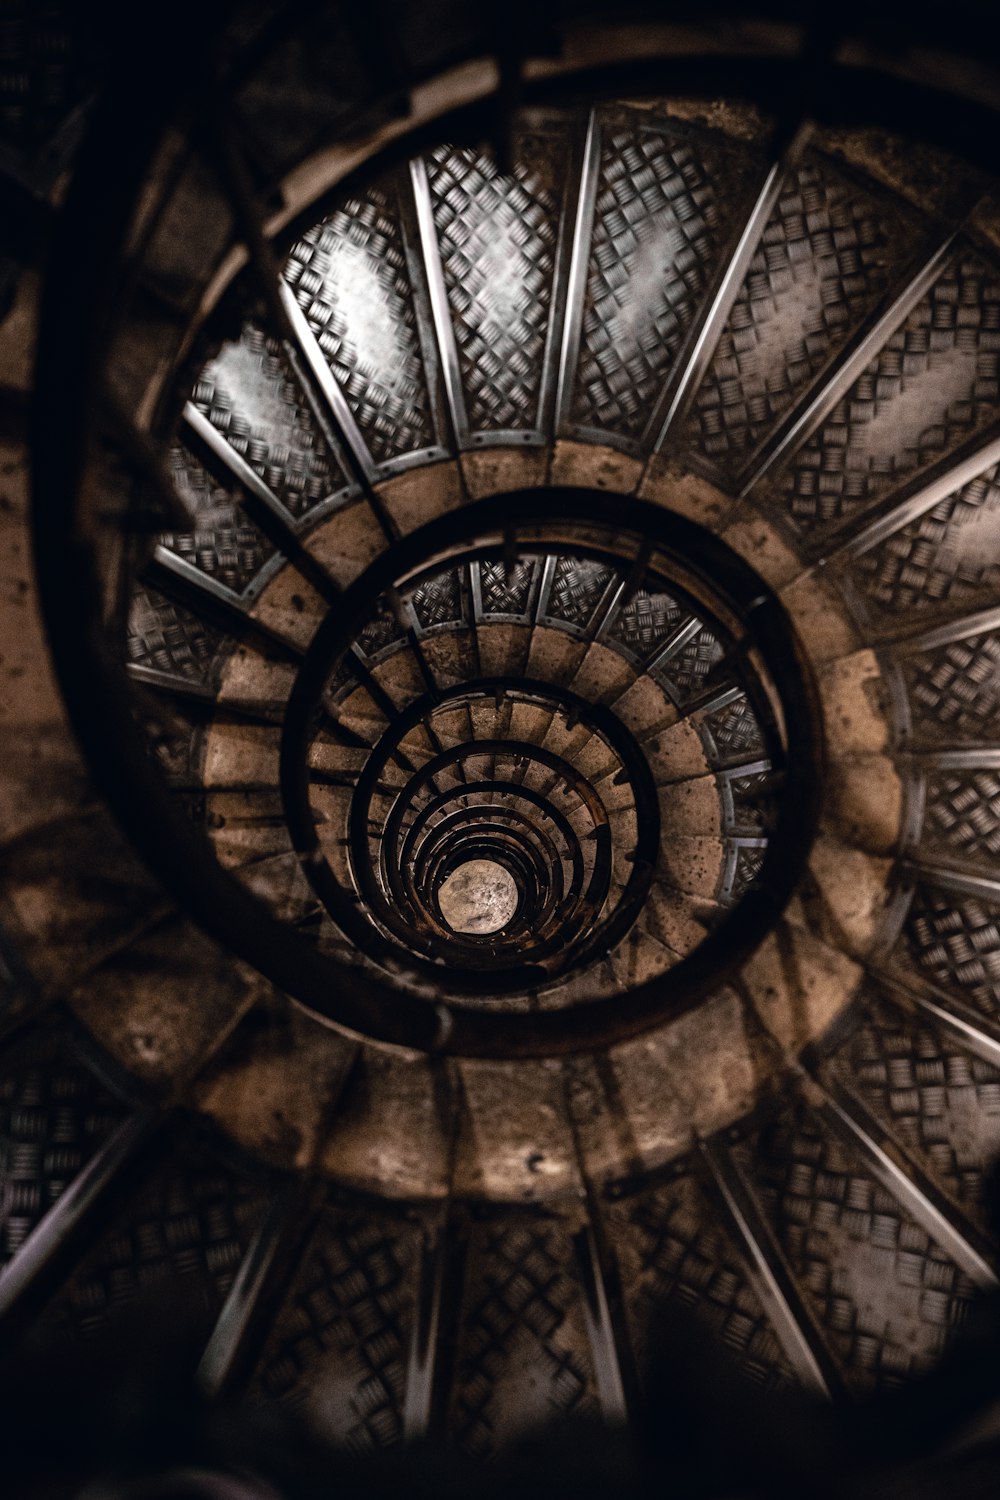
{"x": 825, "y": 258}
{"x": 656, "y": 236}
{"x": 886, "y": 1297}
{"x": 956, "y": 942}
{"x": 577, "y": 588}
{"x": 674, "y": 1253}
{"x": 962, "y": 818}
{"x": 749, "y": 803}
{"x": 497, "y": 239}
{"x": 170, "y": 638}
{"x": 439, "y": 600}
{"x": 380, "y": 632}
{"x": 742, "y": 869}
{"x": 949, "y": 556}
{"x": 523, "y": 1358}
{"x": 54, "y": 1113}
{"x": 350, "y": 277}
{"x": 339, "y": 1346}
{"x": 225, "y": 544}
{"x": 644, "y": 624}
{"x": 934, "y": 383}
{"x": 954, "y": 688}
{"x": 250, "y": 394}
{"x": 507, "y": 591}
{"x": 940, "y": 1103}
{"x": 175, "y": 1243}
{"x": 732, "y": 734}
{"x": 684, "y": 674}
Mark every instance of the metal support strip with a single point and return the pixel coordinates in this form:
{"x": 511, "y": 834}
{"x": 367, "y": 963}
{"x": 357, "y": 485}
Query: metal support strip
{"x": 68, "y": 1214}
{"x": 545, "y": 587}
{"x": 619, "y": 596}
{"x": 679, "y": 639}
{"x": 772, "y": 1278}
{"x": 223, "y": 450}
{"x": 441, "y": 1274}
{"x": 576, "y": 289}
{"x": 965, "y": 1026}
{"x": 803, "y": 422}
{"x": 476, "y": 593}
{"x": 170, "y": 682}
{"x": 198, "y": 580}
{"x": 980, "y": 886}
{"x": 600, "y": 1330}
{"x": 421, "y": 1367}
{"x": 440, "y": 310}
{"x": 175, "y": 575}
{"x": 850, "y": 1120}
{"x": 234, "y": 1321}
{"x": 326, "y": 383}
{"x": 918, "y": 504}
{"x": 924, "y": 761}
{"x": 944, "y": 635}
{"x": 675, "y": 401}
{"x": 968, "y": 1026}
{"x": 713, "y": 704}
{"x": 600, "y": 1282}
{"x": 263, "y": 505}
{"x": 329, "y": 406}
{"x": 274, "y": 1252}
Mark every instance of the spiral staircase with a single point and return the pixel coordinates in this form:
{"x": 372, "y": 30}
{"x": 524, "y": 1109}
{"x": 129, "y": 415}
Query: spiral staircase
{"x": 501, "y": 789}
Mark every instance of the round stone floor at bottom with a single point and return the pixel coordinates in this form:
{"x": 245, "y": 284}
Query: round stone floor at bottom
{"x": 479, "y": 897}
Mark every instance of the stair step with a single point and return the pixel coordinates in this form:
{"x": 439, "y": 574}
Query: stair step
{"x": 165, "y": 1003}
{"x": 679, "y": 920}
{"x": 75, "y": 894}
{"x": 348, "y": 542}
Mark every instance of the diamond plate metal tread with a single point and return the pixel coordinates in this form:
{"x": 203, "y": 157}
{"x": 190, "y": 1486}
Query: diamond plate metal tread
{"x": 955, "y": 940}
{"x": 753, "y": 805}
{"x": 644, "y": 624}
{"x": 674, "y": 1253}
{"x": 340, "y": 1343}
{"x": 684, "y": 674}
{"x": 170, "y": 638}
{"x": 508, "y": 591}
{"x": 949, "y": 556}
{"x": 54, "y": 1114}
{"x": 743, "y": 873}
{"x": 176, "y": 1241}
{"x": 349, "y": 275}
{"x": 962, "y": 819}
{"x": 523, "y": 1355}
{"x": 942, "y": 1105}
{"x": 497, "y": 238}
{"x": 935, "y": 383}
{"x": 659, "y": 224}
{"x": 732, "y": 735}
{"x": 381, "y": 632}
{"x": 885, "y": 1295}
{"x": 578, "y": 586}
{"x": 251, "y": 395}
{"x": 954, "y": 689}
{"x": 440, "y": 600}
{"x": 225, "y": 543}
{"x": 824, "y": 261}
